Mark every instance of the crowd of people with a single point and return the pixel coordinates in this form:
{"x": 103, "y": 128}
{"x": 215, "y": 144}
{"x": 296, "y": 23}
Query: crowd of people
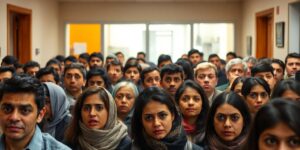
{"x": 91, "y": 103}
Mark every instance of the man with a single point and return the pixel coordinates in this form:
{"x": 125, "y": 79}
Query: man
{"x": 141, "y": 55}
{"x": 9, "y": 61}
{"x": 74, "y": 80}
{"x": 96, "y": 60}
{"x": 195, "y": 56}
{"x": 150, "y": 77}
{"x": 266, "y": 72}
{"x": 84, "y": 59}
{"x": 206, "y": 76}
{"x": 215, "y": 59}
{"x": 164, "y": 60}
{"x": 279, "y": 67}
{"x": 292, "y": 64}
{"x": 114, "y": 72}
{"x": 250, "y": 61}
{"x": 22, "y": 107}
{"x": 31, "y": 68}
{"x": 48, "y": 74}
{"x": 69, "y": 60}
{"x": 56, "y": 64}
{"x": 171, "y": 78}
{"x": 230, "y": 55}
{"x": 6, "y": 72}
{"x": 120, "y": 57}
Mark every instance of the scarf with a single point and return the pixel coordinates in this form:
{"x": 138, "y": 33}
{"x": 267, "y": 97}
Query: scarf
{"x": 188, "y": 128}
{"x": 107, "y": 138}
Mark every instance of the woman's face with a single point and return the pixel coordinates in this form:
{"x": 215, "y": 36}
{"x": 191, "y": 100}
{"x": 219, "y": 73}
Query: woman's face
{"x": 124, "y": 100}
{"x": 157, "y": 120}
{"x": 257, "y": 97}
{"x": 94, "y": 114}
{"x": 228, "y": 122}
{"x": 190, "y": 103}
{"x": 291, "y": 95}
{"x": 279, "y": 137}
{"x": 238, "y": 88}
{"x": 133, "y": 74}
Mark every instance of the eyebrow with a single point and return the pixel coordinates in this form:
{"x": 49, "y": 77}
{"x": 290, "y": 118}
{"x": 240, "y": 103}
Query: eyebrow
{"x": 154, "y": 113}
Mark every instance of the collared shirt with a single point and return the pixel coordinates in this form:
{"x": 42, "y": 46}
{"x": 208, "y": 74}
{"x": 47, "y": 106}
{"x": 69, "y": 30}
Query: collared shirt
{"x": 40, "y": 141}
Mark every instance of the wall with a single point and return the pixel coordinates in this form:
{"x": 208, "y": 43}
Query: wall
{"x": 149, "y": 12}
{"x": 250, "y": 8}
{"x": 44, "y": 27}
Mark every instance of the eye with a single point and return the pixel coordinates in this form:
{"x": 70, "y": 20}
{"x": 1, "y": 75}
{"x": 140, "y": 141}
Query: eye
{"x": 264, "y": 94}
{"x": 148, "y": 117}
{"x": 197, "y": 98}
{"x": 271, "y": 141}
{"x": 129, "y": 97}
{"x": 185, "y": 98}
{"x": 162, "y": 115}
{"x": 234, "y": 117}
{"x": 77, "y": 76}
{"x": 294, "y": 142}
{"x": 6, "y": 109}
{"x": 87, "y": 107}
{"x": 99, "y": 107}
{"x": 25, "y": 110}
{"x": 221, "y": 117}
{"x": 120, "y": 96}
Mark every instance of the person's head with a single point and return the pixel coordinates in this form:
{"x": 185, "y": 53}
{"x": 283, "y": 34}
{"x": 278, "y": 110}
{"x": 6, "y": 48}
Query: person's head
{"x": 141, "y": 55}
{"x": 61, "y": 59}
{"x": 31, "y": 67}
{"x": 150, "y": 77}
{"x": 132, "y": 71}
{"x": 206, "y": 75}
{"x": 74, "y": 78}
{"x": 69, "y": 60}
{"x": 120, "y": 57}
{"x": 214, "y": 59}
{"x": 256, "y": 92}
{"x": 110, "y": 58}
{"x": 276, "y": 126}
{"x": 22, "y": 107}
{"x": 235, "y": 68}
{"x": 292, "y": 64}
{"x": 250, "y": 61}
{"x": 9, "y": 61}
{"x": 6, "y": 72}
{"x": 237, "y": 85}
{"x": 163, "y": 60}
{"x": 187, "y": 68}
{"x": 171, "y": 78}
{"x": 279, "y": 68}
{"x": 98, "y": 77}
{"x": 48, "y": 75}
{"x": 155, "y": 116}
{"x": 54, "y": 63}
{"x": 195, "y": 56}
{"x": 228, "y": 122}
{"x": 19, "y": 68}
{"x": 84, "y": 59}
{"x": 288, "y": 89}
{"x": 114, "y": 71}
{"x": 230, "y": 55}
{"x": 124, "y": 94}
{"x": 265, "y": 71}
{"x": 96, "y": 60}
{"x": 193, "y": 103}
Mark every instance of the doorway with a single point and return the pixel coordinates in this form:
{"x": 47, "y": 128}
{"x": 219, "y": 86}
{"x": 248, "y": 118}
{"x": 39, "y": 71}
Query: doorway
{"x": 265, "y": 33}
{"x": 19, "y": 32}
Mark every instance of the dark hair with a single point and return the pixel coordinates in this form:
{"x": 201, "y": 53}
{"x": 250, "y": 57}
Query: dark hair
{"x": 7, "y": 68}
{"x": 24, "y": 83}
{"x": 233, "y": 99}
{"x": 233, "y": 54}
{"x": 291, "y": 55}
{"x": 262, "y": 67}
{"x": 53, "y": 61}
{"x": 46, "y": 71}
{"x": 193, "y": 51}
{"x": 114, "y": 63}
{"x": 148, "y": 70}
{"x": 280, "y": 63}
{"x": 119, "y": 52}
{"x": 30, "y": 64}
{"x": 60, "y": 58}
{"x": 284, "y": 85}
{"x": 162, "y": 58}
{"x": 78, "y": 66}
{"x": 171, "y": 69}
{"x": 276, "y": 111}
{"x": 150, "y": 94}
{"x": 84, "y": 56}
{"x": 74, "y": 130}
{"x": 187, "y": 68}
{"x": 96, "y": 54}
{"x": 71, "y": 58}
{"x": 9, "y": 60}
{"x": 201, "y": 119}
{"x": 141, "y": 53}
{"x": 102, "y": 73}
{"x": 237, "y": 81}
{"x": 249, "y": 83}
{"x": 134, "y": 64}
{"x": 212, "y": 56}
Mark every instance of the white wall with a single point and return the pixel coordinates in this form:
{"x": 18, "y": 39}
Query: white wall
{"x": 250, "y": 8}
{"x": 44, "y": 27}
{"x": 149, "y": 12}
{"x": 294, "y": 27}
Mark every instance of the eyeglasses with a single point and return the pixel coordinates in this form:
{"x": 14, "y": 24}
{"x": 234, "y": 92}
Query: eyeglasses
{"x": 254, "y": 95}
{"x": 203, "y": 76}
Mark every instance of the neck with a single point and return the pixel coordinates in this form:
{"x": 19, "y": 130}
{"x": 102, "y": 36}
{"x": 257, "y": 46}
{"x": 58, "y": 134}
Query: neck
{"x": 75, "y": 94}
{"x": 122, "y": 116}
{"x": 11, "y": 144}
{"x": 209, "y": 94}
{"x": 191, "y": 120}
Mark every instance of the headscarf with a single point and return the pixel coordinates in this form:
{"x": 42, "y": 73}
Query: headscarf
{"x": 59, "y": 107}
{"x": 107, "y": 138}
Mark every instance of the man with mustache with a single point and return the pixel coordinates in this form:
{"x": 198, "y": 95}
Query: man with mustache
{"x": 171, "y": 78}
{"x": 292, "y": 64}
{"x": 21, "y": 108}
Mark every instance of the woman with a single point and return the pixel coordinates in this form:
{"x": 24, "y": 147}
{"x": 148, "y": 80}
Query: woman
{"x": 237, "y": 85}
{"x": 194, "y": 106}
{"x": 95, "y": 124}
{"x": 124, "y": 94}
{"x": 289, "y": 89}
{"x": 57, "y": 116}
{"x": 98, "y": 77}
{"x": 228, "y": 122}
{"x": 156, "y": 123}
{"x": 276, "y": 126}
{"x": 256, "y": 92}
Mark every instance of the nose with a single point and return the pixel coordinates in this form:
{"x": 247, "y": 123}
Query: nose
{"x": 190, "y": 102}
{"x": 259, "y": 99}
{"x": 14, "y": 116}
{"x": 156, "y": 122}
{"x": 227, "y": 123}
{"x": 93, "y": 111}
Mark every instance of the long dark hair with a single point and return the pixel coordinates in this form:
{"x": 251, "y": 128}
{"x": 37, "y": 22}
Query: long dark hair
{"x": 277, "y": 111}
{"x": 213, "y": 141}
{"x": 284, "y": 85}
{"x": 249, "y": 83}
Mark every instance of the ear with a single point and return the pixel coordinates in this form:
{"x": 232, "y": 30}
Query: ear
{"x": 41, "y": 115}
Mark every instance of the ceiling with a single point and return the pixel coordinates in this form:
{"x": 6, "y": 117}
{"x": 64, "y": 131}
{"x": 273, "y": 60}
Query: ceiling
{"x": 150, "y": 0}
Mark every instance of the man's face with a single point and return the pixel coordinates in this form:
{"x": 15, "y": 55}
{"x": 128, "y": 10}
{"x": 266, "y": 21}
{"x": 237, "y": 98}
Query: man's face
{"x": 47, "y": 78}
{"x": 267, "y": 76}
{"x": 5, "y": 75}
{"x": 19, "y": 116}
{"x": 141, "y": 56}
{"x": 292, "y": 66}
{"x": 152, "y": 79}
{"x": 164, "y": 63}
{"x": 84, "y": 62}
{"x": 207, "y": 79}
{"x": 32, "y": 70}
{"x": 215, "y": 61}
{"x": 195, "y": 58}
{"x": 56, "y": 68}
{"x": 278, "y": 72}
{"x": 114, "y": 73}
{"x": 236, "y": 70}
{"x": 95, "y": 62}
{"x": 171, "y": 82}
{"x": 120, "y": 58}
{"x": 73, "y": 80}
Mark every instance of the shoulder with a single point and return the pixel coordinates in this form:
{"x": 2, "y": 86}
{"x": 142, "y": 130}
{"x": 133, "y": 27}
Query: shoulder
{"x": 192, "y": 146}
{"x": 51, "y": 143}
{"x": 125, "y": 143}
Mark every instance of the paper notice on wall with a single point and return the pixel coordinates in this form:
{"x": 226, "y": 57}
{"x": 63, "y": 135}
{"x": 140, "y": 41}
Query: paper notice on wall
{"x": 79, "y": 48}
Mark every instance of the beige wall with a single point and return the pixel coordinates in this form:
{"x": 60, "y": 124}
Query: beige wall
{"x": 44, "y": 27}
{"x": 250, "y": 8}
{"x": 149, "y": 12}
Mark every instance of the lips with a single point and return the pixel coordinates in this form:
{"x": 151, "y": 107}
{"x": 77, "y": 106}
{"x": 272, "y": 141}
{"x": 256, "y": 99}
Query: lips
{"x": 93, "y": 122}
{"x": 14, "y": 128}
{"x": 228, "y": 133}
{"x": 158, "y": 132}
{"x": 190, "y": 110}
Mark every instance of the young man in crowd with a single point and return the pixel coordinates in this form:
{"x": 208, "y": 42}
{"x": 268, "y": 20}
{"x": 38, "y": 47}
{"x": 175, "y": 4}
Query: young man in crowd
{"x": 31, "y": 67}
{"x": 171, "y": 78}
{"x": 265, "y": 71}
{"x": 195, "y": 56}
{"x": 292, "y": 64}
{"x": 150, "y": 77}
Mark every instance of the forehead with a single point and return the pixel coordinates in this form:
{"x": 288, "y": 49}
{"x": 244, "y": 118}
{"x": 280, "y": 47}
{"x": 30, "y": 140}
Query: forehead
{"x": 276, "y": 65}
{"x": 73, "y": 71}
{"x": 93, "y": 99}
{"x": 19, "y": 99}
{"x": 195, "y": 54}
{"x": 95, "y": 58}
{"x": 152, "y": 73}
{"x": 132, "y": 68}
{"x": 114, "y": 67}
{"x": 214, "y": 58}
{"x": 172, "y": 75}
{"x": 125, "y": 89}
{"x": 237, "y": 66}
{"x": 258, "y": 88}
{"x": 263, "y": 73}
{"x": 227, "y": 109}
{"x": 206, "y": 71}
{"x": 154, "y": 107}
{"x": 96, "y": 77}
{"x": 292, "y": 59}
